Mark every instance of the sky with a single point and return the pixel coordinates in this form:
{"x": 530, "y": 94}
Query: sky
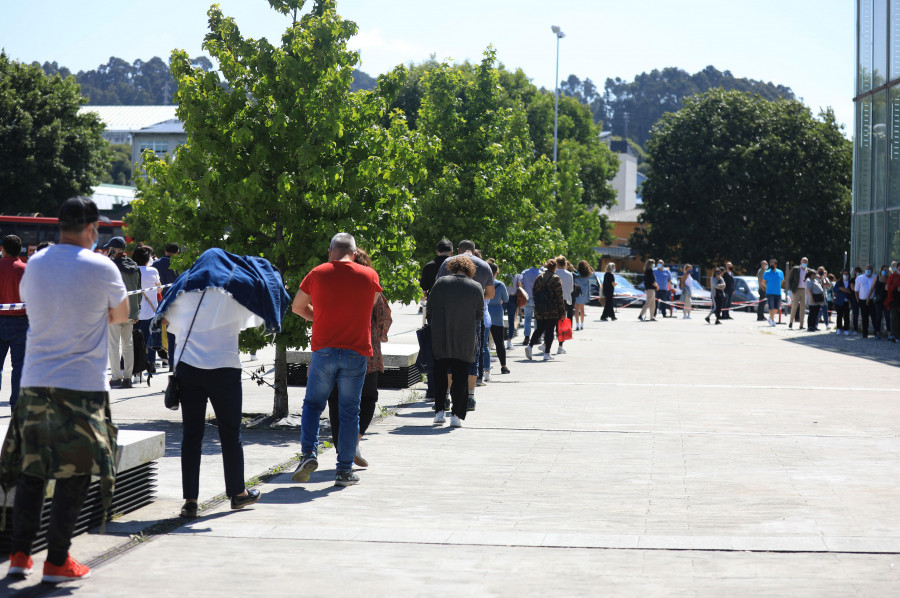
{"x": 805, "y": 45}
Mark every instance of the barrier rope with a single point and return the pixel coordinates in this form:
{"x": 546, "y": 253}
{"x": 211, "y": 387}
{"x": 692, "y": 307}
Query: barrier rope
{"x": 12, "y": 306}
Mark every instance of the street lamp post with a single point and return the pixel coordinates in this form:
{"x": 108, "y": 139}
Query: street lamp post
{"x": 559, "y": 35}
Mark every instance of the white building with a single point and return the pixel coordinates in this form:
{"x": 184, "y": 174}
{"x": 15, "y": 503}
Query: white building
{"x": 123, "y": 121}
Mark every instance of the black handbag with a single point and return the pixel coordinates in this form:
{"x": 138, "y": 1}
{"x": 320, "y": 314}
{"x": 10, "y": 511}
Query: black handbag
{"x": 173, "y": 389}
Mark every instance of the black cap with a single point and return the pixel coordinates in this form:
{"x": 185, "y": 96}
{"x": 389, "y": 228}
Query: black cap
{"x": 116, "y": 242}
{"x": 79, "y": 210}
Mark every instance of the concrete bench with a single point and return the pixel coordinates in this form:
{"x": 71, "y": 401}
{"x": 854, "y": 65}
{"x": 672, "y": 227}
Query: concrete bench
{"x": 400, "y": 369}
{"x": 135, "y": 485}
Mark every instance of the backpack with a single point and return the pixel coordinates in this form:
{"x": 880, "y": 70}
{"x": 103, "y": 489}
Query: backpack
{"x": 576, "y": 291}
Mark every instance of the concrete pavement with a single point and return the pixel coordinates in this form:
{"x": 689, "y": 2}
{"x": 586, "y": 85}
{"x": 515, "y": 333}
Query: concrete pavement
{"x": 669, "y": 458}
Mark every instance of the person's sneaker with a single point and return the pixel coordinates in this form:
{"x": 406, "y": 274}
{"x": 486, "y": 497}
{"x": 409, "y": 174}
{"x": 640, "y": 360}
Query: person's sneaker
{"x": 358, "y": 458}
{"x": 790, "y": 326}
{"x": 345, "y": 478}
{"x": 560, "y": 351}
{"x": 479, "y": 381}
{"x": 470, "y": 406}
{"x": 115, "y": 383}
{"x": 509, "y": 345}
{"x": 455, "y": 422}
{"x": 525, "y": 342}
{"x": 126, "y": 383}
{"x": 68, "y": 571}
{"x": 20, "y": 564}
{"x": 239, "y": 502}
{"x": 640, "y": 318}
{"x": 528, "y": 352}
{"x": 487, "y": 376}
{"x": 308, "y": 464}
{"x": 707, "y": 319}
{"x": 548, "y": 357}
{"x": 439, "y": 418}
{"x": 504, "y": 370}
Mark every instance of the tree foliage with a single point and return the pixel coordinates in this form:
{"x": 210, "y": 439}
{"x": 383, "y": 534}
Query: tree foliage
{"x": 284, "y": 156}
{"x": 48, "y": 152}
{"x": 734, "y": 176}
{"x": 119, "y": 170}
{"x": 145, "y": 82}
{"x": 637, "y": 105}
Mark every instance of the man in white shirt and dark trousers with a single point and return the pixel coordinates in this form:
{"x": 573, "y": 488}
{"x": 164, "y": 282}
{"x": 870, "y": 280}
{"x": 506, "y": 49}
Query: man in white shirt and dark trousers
{"x": 864, "y": 287}
{"x": 61, "y": 428}
{"x": 568, "y": 284}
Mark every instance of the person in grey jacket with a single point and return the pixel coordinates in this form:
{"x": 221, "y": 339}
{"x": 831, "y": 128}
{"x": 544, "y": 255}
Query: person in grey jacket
{"x": 455, "y": 304}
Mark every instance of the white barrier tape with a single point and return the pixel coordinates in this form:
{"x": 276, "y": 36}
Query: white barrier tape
{"x": 12, "y": 306}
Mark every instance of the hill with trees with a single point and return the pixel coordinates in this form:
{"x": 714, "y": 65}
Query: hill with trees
{"x": 144, "y": 83}
{"x": 630, "y": 108}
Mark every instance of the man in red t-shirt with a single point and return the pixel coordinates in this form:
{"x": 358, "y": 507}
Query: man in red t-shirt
{"x": 343, "y": 294}
{"x": 13, "y": 322}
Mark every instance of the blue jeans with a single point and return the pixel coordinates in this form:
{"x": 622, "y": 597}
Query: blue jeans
{"x": 529, "y": 313}
{"x": 663, "y": 307}
{"x": 327, "y": 367}
{"x": 13, "y": 330}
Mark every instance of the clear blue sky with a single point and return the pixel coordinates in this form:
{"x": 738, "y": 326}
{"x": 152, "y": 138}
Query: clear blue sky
{"x": 806, "y": 45}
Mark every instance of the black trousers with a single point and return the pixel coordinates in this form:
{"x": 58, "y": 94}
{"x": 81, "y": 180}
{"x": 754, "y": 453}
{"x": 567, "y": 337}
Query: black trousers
{"x": 459, "y": 389}
{"x": 812, "y": 319}
{"x": 726, "y": 305}
{"x": 761, "y": 306}
{"x": 545, "y": 328}
{"x": 608, "y": 309}
{"x": 843, "y": 316}
{"x": 68, "y": 497}
{"x": 868, "y": 314}
{"x": 497, "y": 335}
{"x": 222, "y": 386}
{"x": 366, "y": 406}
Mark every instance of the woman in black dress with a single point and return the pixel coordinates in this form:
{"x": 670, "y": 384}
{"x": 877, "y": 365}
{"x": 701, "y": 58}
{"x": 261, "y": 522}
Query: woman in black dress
{"x": 609, "y": 291}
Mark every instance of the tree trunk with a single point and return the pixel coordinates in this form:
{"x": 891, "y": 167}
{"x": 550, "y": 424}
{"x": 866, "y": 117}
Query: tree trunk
{"x": 280, "y": 407}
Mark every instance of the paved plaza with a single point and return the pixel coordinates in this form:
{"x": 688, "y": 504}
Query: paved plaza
{"x": 669, "y": 458}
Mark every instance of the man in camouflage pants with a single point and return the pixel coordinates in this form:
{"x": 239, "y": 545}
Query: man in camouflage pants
{"x": 61, "y": 428}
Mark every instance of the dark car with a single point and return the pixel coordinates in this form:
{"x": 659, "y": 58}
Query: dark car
{"x": 626, "y": 294}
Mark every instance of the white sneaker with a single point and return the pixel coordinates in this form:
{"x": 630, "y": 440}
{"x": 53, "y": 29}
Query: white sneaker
{"x": 487, "y": 376}
{"x": 528, "y": 352}
{"x": 439, "y": 418}
{"x": 509, "y": 345}
{"x": 560, "y": 351}
{"x": 455, "y": 422}
{"x": 846, "y": 333}
{"x": 548, "y": 357}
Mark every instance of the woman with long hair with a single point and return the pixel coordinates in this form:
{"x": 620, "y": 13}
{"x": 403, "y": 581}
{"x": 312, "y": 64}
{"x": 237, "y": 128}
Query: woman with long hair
{"x": 583, "y": 280}
{"x": 609, "y": 293}
{"x": 717, "y": 287}
{"x": 687, "y": 290}
{"x": 650, "y": 288}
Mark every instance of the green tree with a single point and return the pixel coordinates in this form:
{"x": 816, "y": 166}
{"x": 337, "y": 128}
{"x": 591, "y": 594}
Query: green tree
{"x": 485, "y": 183}
{"x": 119, "y": 170}
{"x": 48, "y": 152}
{"x": 284, "y": 156}
{"x": 737, "y": 177}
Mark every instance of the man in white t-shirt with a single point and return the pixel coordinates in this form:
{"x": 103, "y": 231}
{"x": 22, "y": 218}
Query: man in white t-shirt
{"x": 61, "y": 429}
{"x": 863, "y": 287}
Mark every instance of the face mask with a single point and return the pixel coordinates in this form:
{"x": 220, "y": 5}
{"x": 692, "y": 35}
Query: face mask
{"x": 613, "y": 268}
{"x": 659, "y": 267}
{"x": 884, "y": 272}
{"x": 803, "y": 266}
{"x": 868, "y": 272}
{"x": 846, "y": 277}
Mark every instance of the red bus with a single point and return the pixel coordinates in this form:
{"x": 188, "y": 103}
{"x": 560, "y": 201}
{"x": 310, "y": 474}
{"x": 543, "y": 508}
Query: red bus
{"x": 33, "y": 230}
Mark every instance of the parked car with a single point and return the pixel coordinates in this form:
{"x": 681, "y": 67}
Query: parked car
{"x": 626, "y": 294}
{"x": 746, "y": 288}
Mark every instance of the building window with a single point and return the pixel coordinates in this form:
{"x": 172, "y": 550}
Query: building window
{"x": 159, "y": 148}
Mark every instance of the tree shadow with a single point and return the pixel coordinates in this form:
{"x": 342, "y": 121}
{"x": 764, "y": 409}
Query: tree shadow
{"x": 882, "y": 351}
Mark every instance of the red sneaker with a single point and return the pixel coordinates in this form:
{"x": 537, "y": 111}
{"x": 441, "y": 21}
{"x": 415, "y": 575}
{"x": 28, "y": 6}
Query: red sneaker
{"x": 20, "y": 564}
{"x": 69, "y": 571}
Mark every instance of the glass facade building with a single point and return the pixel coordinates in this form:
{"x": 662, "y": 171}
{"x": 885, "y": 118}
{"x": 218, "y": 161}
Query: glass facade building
{"x": 876, "y": 143}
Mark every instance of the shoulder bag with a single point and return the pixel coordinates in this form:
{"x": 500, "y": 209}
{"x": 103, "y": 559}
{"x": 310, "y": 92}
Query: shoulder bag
{"x": 173, "y": 390}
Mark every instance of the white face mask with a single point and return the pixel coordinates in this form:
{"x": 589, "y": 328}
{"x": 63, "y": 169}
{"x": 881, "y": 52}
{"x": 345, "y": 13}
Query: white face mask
{"x": 803, "y": 266}
{"x": 846, "y": 277}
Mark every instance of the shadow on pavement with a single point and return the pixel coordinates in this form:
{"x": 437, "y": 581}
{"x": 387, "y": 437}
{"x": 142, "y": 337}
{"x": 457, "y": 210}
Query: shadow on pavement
{"x": 420, "y": 430}
{"x": 882, "y": 351}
